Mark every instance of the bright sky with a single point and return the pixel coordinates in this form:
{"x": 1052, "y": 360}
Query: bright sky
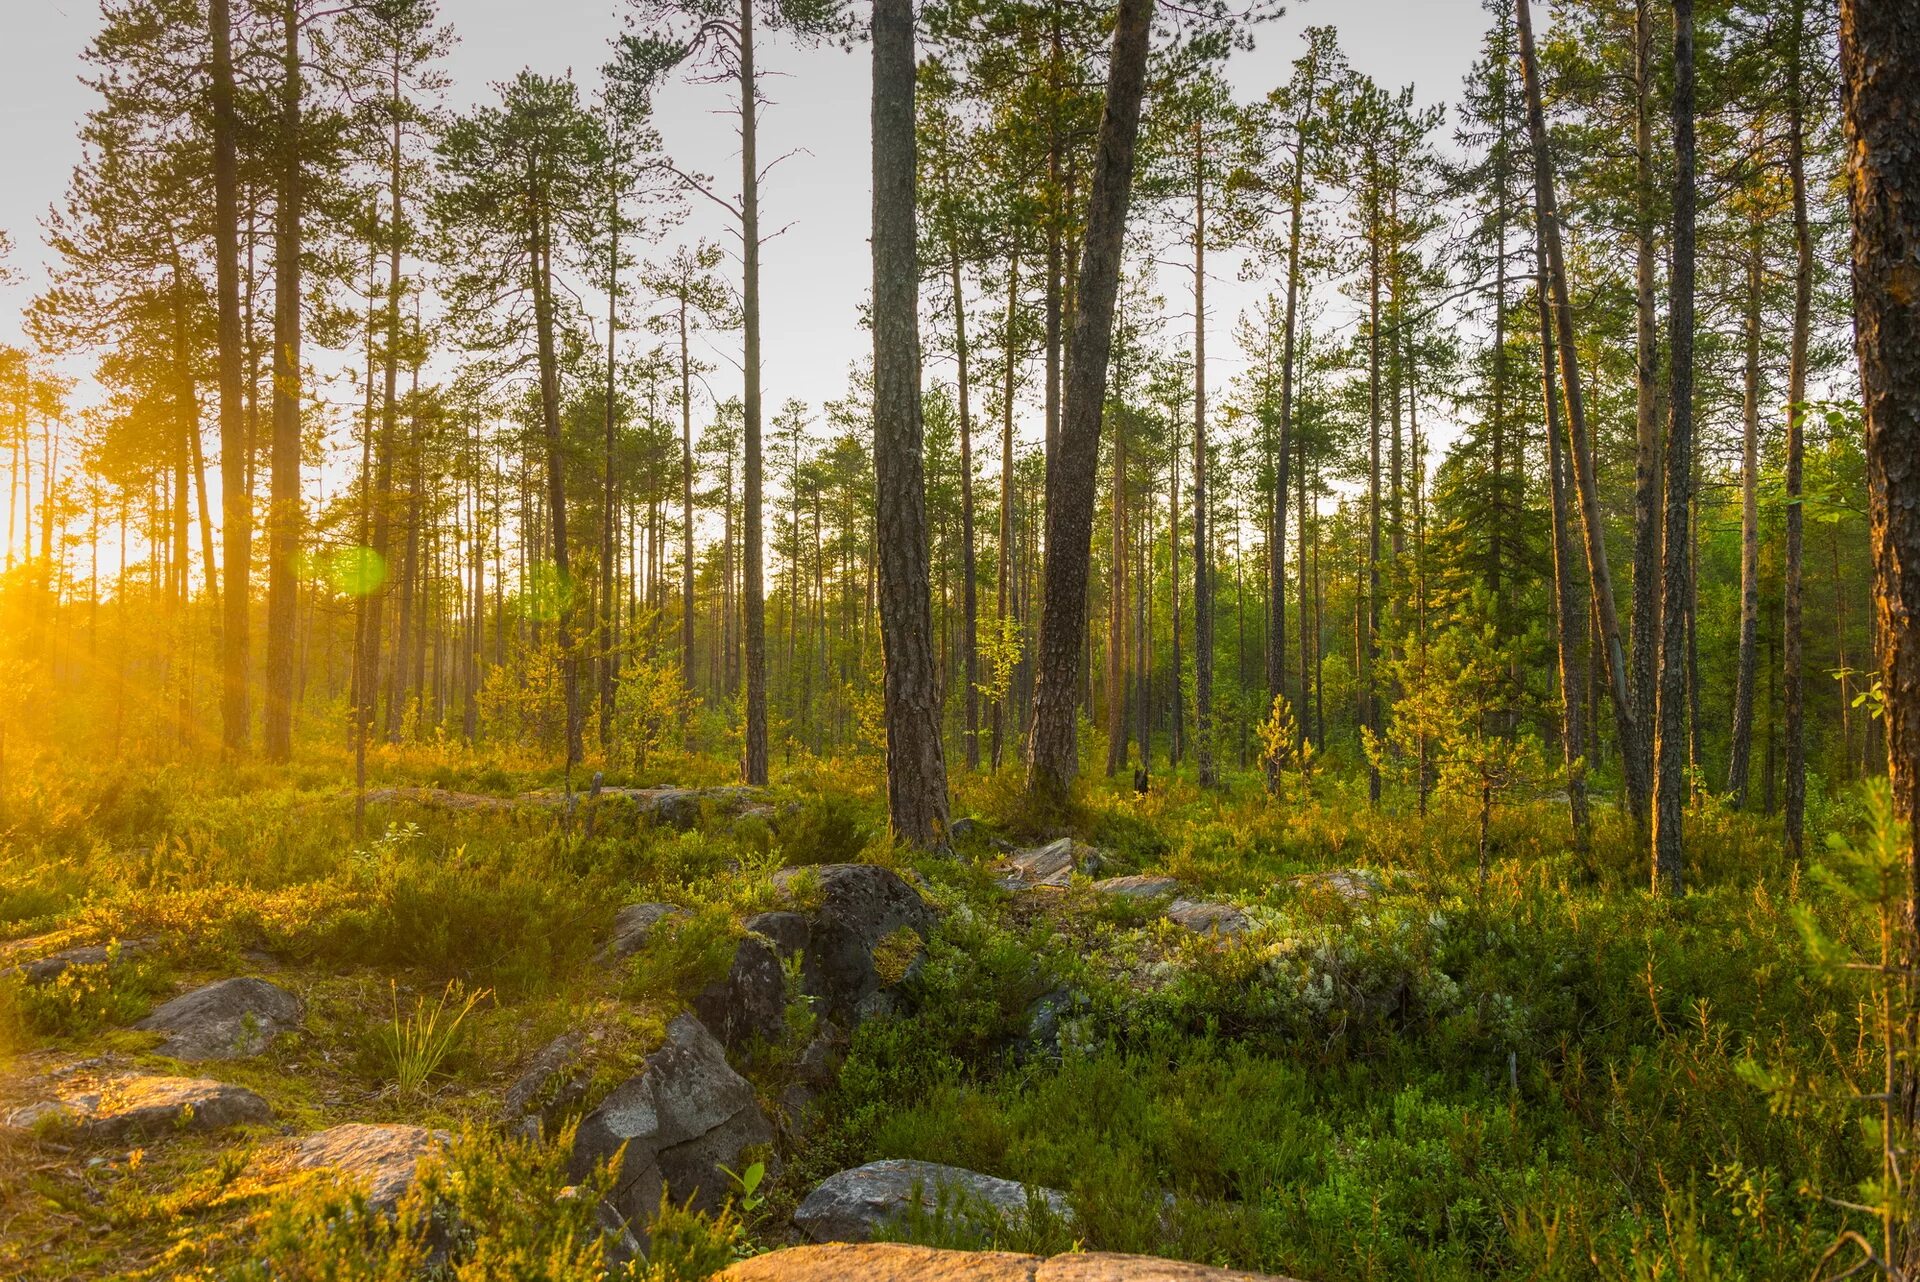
{"x": 816, "y": 273}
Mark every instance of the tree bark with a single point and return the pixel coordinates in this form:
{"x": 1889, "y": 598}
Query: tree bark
{"x": 1578, "y": 449}
{"x": 969, "y": 585}
{"x": 1117, "y": 611}
{"x": 1794, "y": 675}
{"x": 1637, "y": 764}
{"x": 916, "y": 764}
{"x": 1202, "y": 553}
{"x": 1676, "y": 574}
{"x": 284, "y": 512}
{"x": 236, "y": 504}
{"x": 1052, "y": 759}
{"x": 753, "y": 765}
{"x": 1569, "y": 611}
{"x": 1747, "y": 663}
{"x": 1880, "y": 67}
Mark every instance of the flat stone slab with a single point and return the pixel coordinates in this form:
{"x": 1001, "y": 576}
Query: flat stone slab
{"x": 54, "y": 965}
{"x": 897, "y": 1262}
{"x": 1204, "y": 918}
{"x": 1355, "y": 885}
{"x": 1139, "y": 886}
{"x": 1050, "y": 865}
{"x": 851, "y": 1205}
{"x": 231, "y": 1018}
{"x": 145, "y": 1106}
{"x": 382, "y": 1161}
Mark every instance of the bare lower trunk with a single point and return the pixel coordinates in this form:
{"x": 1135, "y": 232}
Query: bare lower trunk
{"x": 236, "y": 504}
{"x": 1747, "y": 663}
{"x": 1794, "y": 675}
{"x": 753, "y": 764}
{"x": 1637, "y": 763}
{"x": 284, "y": 512}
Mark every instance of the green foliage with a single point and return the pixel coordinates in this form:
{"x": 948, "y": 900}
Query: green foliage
{"x": 414, "y": 1045}
{"x": 827, "y": 828}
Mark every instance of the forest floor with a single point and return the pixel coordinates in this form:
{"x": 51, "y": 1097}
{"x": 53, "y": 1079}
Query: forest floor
{"x": 1315, "y": 1043}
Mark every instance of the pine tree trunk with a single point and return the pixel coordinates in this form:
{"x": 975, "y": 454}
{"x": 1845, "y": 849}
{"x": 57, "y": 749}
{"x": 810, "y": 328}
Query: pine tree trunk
{"x": 1578, "y": 449}
{"x": 1880, "y": 67}
{"x": 1794, "y": 676}
{"x": 284, "y": 511}
{"x": 1747, "y": 662}
{"x": 1636, "y": 751}
{"x": 1202, "y": 552}
{"x": 1568, "y": 610}
{"x": 236, "y": 503}
{"x": 1117, "y": 612}
{"x": 1052, "y": 759}
{"x": 969, "y": 577}
{"x": 1676, "y": 576}
{"x": 916, "y": 763}
{"x": 753, "y": 766}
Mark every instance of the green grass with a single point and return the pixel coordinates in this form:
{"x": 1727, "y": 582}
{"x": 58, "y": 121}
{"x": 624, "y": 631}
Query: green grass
{"x": 1554, "y": 1077}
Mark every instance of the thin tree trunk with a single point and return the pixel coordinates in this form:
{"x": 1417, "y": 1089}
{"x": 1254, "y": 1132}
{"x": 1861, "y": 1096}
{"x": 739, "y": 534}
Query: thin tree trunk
{"x": 1052, "y": 757}
{"x": 1794, "y": 676}
{"x": 1747, "y": 663}
{"x": 1117, "y": 612}
{"x": 1676, "y": 577}
{"x": 969, "y": 585}
{"x": 1581, "y": 455}
{"x": 1635, "y": 751}
{"x": 1202, "y": 553}
{"x": 284, "y": 513}
{"x": 236, "y": 504}
{"x": 753, "y": 766}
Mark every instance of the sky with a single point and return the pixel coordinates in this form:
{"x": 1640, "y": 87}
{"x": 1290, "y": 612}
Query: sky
{"x": 816, "y": 272}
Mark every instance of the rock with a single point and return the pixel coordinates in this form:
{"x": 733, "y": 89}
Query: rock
{"x": 382, "y": 1161}
{"x": 787, "y": 931}
{"x": 233, "y": 1017}
{"x": 440, "y": 799}
{"x": 852, "y": 1205}
{"x": 1051, "y": 865}
{"x": 134, "y": 1106}
{"x": 1138, "y": 886}
{"x": 1354, "y": 885}
{"x": 57, "y": 964}
{"x": 1208, "y": 919}
{"x": 553, "y": 1082}
{"x": 682, "y": 807}
{"x": 634, "y": 925}
{"x": 750, "y": 1003}
{"x": 1047, "y": 1020}
{"x": 897, "y": 1262}
{"x": 814, "y": 1072}
{"x": 858, "y": 944}
{"x": 684, "y": 1115}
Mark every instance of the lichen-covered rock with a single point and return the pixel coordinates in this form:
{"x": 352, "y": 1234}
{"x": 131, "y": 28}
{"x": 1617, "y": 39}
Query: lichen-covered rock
{"x": 749, "y": 1003}
{"x": 682, "y": 1117}
{"x": 853, "y": 1204}
{"x": 898, "y": 1262}
{"x": 553, "y": 1082}
{"x": 51, "y": 967}
{"x": 1353, "y": 885}
{"x": 1139, "y": 886}
{"x": 382, "y": 1161}
{"x": 864, "y": 929}
{"x": 1208, "y": 918}
{"x": 145, "y": 1106}
{"x": 233, "y": 1017}
{"x": 634, "y": 925}
{"x": 1051, "y": 865}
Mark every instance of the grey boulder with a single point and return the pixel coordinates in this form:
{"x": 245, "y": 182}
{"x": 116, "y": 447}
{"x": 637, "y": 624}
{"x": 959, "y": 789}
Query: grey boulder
{"x": 634, "y": 925}
{"x": 57, "y": 964}
{"x": 749, "y": 1003}
{"x": 1138, "y": 886}
{"x": 1209, "y": 918}
{"x": 382, "y": 1161}
{"x": 865, "y": 928}
{"x": 852, "y": 1205}
{"x": 681, "y": 1118}
{"x": 223, "y": 1020}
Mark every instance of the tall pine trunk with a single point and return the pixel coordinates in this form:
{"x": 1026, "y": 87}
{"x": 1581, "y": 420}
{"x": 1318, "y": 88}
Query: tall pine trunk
{"x": 236, "y": 504}
{"x": 969, "y": 585}
{"x": 753, "y": 765}
{"x": 1676, "y": 571}
{"x": 1794, "y": 675}
{"x": 1052, "y": 759}
{"x": 284, "y": 512}
{"x": 916, "y": 762}
{"x": 1635, "y": 750}
{"x": 1747, "y": 662}
{"x": 1202, "y": 552}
